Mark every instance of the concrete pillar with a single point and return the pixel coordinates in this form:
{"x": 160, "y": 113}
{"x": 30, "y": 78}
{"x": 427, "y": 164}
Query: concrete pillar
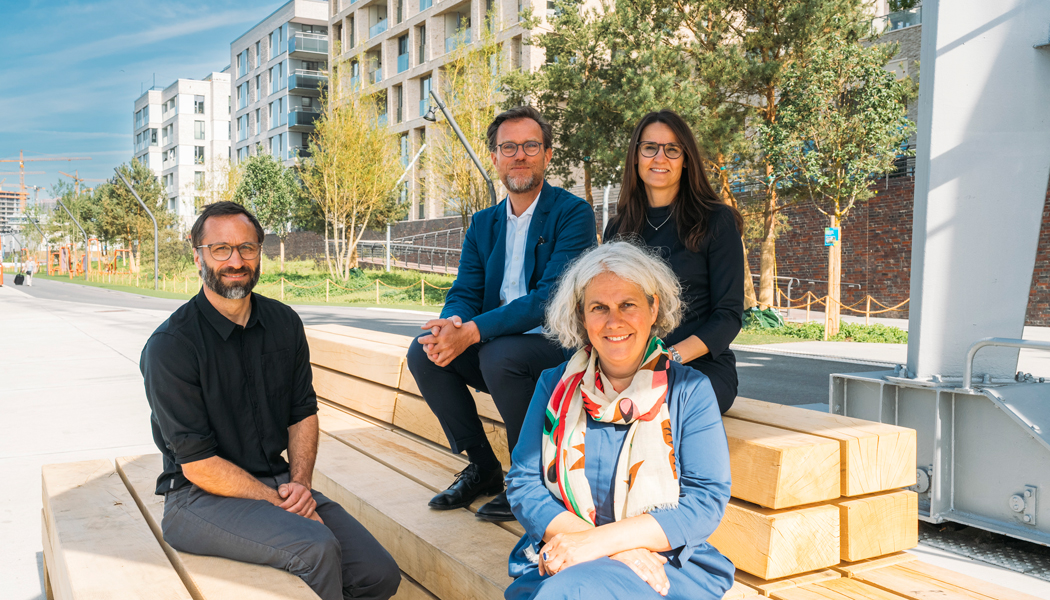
{"x": 981, "y": 178}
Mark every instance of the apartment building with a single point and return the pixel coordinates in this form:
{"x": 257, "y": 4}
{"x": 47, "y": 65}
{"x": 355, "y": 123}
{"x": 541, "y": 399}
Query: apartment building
{"x": 278, "y": 67}
{"x": 401, "y": 45}
{"x": 182, "y": 133}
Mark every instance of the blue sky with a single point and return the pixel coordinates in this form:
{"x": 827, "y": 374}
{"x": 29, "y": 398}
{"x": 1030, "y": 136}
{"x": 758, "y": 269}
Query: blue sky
{"x": 70, "y": 73}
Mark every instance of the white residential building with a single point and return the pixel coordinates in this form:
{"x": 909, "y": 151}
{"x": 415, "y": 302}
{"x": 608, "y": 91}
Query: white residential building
{"x": 402, "y": 44}
{"x": 182, "y": 132}
{"x": 277, "y": 69}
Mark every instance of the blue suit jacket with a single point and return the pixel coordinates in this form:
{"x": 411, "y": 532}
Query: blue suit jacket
{"x": 562, "y": 227}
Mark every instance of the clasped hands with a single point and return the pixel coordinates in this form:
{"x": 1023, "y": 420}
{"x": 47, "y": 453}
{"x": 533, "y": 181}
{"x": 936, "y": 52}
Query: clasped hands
{"x": 299, "y": 500}
{"x": 567, "y": 549}
{"x": 448, "y": 339}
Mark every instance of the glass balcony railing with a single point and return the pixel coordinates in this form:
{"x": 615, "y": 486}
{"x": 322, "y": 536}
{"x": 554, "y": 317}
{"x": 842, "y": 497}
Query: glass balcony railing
{"x": 402, "y": 62}
{"x": 307, "y": 81}
{"x": 313, "y": 43}
{"x": 455, "y": 41}
{"x": 375, "y": 76}
{"x": 299, "y": 152}
{"x": 355, "y": 82}
{"x": 897, "y": 20}
{"x": 382, "y": 120}
{"x": 303, "y": 117}
{"x": 425, "y": 4}
{"x": 378, "y": 28}
{"x": 424, "y": 106}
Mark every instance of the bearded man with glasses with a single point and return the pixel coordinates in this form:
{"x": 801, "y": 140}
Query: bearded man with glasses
{"x": 228, "y": 379}
{"x": 490, "y": 333}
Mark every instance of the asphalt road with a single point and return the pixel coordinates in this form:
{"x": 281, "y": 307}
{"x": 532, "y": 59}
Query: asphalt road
{"x": 770, "y": 377}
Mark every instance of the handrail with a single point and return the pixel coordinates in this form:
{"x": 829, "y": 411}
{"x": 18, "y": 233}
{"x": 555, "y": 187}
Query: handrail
{"x": 998, "y": 343}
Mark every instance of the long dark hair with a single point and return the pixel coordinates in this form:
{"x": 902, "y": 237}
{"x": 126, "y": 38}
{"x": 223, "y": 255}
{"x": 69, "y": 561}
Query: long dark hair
{"x": 696, "y": 198}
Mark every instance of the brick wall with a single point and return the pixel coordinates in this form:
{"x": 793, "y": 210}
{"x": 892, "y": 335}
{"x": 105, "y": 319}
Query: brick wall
{"x": 1039, "y": 297}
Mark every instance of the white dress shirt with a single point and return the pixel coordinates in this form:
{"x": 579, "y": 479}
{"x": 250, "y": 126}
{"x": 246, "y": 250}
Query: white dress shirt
{"x": 514, "y": 283}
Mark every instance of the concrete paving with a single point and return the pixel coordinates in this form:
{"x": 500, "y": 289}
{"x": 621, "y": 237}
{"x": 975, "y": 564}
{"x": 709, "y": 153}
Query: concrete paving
{"x": 70, "y": 390}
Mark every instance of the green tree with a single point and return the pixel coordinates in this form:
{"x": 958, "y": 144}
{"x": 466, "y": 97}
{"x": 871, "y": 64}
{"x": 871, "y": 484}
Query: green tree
{"x": 842, "y": 119}
{"x": 352, "y": 169}
{"x": 271, "y": 191}
{"x": 121, "y": 220}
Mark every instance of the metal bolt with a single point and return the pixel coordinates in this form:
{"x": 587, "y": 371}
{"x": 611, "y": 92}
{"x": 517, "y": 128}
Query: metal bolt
{"x": 1016, "y": 503}
{"x": 1028, "y": 518}
{"x": 1028, "y": 493}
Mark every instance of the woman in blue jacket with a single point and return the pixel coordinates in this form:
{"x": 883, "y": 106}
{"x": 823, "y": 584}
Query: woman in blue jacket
{"x": 622, "y": 469}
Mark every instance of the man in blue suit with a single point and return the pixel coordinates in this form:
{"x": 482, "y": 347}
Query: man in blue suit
{"x": 489, "y": 336}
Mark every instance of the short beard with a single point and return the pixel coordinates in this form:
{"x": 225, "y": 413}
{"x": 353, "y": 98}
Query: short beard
{"x": 213, "y": 280}
{"x": 520, "y": 185}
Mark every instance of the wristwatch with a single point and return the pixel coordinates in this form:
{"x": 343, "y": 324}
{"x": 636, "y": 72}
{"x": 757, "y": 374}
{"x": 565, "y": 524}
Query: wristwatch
{"x": 675, "y": 356}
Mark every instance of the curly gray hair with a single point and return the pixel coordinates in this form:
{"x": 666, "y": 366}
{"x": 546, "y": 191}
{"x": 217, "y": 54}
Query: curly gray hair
{"x": 627, "y": 261}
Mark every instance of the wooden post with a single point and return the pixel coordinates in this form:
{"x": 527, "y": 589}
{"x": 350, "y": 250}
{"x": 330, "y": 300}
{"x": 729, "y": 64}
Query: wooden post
{"x": 282, "y": 289}
{"x": 867, "y": 312}
{"x": 326, "y": 282}
{"x": 809, "y": 303}
{"x": 422, "y": 292}
{"x": 185, "y": 284}
{"x": 377, "y": 290}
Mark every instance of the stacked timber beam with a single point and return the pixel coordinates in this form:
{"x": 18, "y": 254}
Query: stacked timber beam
{"x": 819, "y": 508}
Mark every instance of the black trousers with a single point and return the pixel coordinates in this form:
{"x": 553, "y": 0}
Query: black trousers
{"x": 506, "y": 367}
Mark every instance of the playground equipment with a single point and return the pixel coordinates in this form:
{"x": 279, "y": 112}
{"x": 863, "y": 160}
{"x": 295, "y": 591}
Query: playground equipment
{"x": 119, "y": 255}
{"x": 981, "y": 178}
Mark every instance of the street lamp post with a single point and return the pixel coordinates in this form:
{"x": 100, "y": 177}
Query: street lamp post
{"x": 432, "y": 117}
{"x": 156, "y": 240}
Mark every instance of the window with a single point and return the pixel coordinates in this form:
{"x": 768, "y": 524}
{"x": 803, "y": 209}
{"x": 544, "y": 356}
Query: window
{"x": 198, "y": 130}
{"x": 198, "y": 180}
{"x": 258, "y": 122}
{"x": 258, "y": 86}
{"x": 424, "y": 95}
{"x": 273, "y": 79}
{"x": 402, "y": 53}
{"x": 399, "y": 102}
{"x": 198, "y": 155}
{"x": 242, "y": 95}
{"x": 242, "y": 63}
{"x": 258, "y": 55}
{"x": 152, "y": 136}
{"x": 399, "y": 10}
{"x": 273, "y": 44}
{"x": 421, "y": 35}
{"x": 425, "y": 4}
{"x": 404, "y": 150}
{"x": 280, "y": 75}
{"x": 138, "y": 119}
{"x": 169, "y": 155}
{"x": 242, "y": 128}
{"x": 198, "y": 105}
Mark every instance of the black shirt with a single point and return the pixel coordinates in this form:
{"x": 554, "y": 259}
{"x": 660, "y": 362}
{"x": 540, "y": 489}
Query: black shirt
{"x": 219, "y": 389}
{"x": 712, "y": 281}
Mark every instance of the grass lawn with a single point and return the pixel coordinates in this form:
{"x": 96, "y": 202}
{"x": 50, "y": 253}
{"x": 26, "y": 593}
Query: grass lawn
{"x": 750, "y": 337}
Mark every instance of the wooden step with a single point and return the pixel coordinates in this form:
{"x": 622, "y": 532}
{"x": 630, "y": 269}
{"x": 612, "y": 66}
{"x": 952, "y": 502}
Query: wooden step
{"x": 99, "y": 544}
{"x": 849, "y": 569}
{"x": 917, "y": 580}
{"x": 741, "y": 591}
{"x": 376, "y": 362}
{"x": 875, "y": 457}
{"x": 392, "y": 339}
{"x": 778, "y": 543}
{"x": 766, "y": 587}
{"x": 777, "y": 468}
{"x": 354, "y": 393}
{"x": 412, "y": 413}
{"x": 834, "y": 589}
{"x": 206, "y": 576}
{"x": 450, "y": 553}
{"x": 879, "y": 524}
{"x": 432, "y": 468}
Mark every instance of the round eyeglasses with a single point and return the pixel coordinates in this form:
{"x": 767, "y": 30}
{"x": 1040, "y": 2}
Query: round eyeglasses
{"x": 651, "y": 149}
{"x": 510, "y": 149}
{"x": 223, "y": 251}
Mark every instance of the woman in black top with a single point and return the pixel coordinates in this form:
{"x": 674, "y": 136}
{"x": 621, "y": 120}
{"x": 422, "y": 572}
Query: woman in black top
{"x": 667, "y": 201}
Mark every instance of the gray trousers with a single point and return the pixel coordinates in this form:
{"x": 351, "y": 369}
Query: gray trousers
{"x": 339, "y": 559}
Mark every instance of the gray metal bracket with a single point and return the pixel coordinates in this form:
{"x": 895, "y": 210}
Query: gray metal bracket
{"x": 1025, "y": 503}
{"x": 1028, "y": 404}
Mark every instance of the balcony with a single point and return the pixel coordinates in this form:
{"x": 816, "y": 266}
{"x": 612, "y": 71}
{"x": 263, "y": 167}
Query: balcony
{"x": 307, "y": 83}
{"x": 378, "y": 28}
{"x": 382, "y": 120}
{"x": 455, "y": 41}
{"x": 302, "y": 119}
{"x": 308, "y": 46}
{"x": 897, "y": 20}
{"x": 376, "y": 76}
{"x": 425, "y": 4}
{"x": 402, "y": 62}
{"x": 299, "y": 152}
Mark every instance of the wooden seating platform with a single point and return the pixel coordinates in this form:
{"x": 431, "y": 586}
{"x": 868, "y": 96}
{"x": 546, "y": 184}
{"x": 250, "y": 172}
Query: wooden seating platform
{"x": 817, "y": 511}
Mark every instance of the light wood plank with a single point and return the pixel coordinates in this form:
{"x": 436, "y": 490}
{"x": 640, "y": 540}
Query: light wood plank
{"x": 778, "y": 543}
{"x": 917, "y": 580}
{"x": 486, "y": 406}
{"x": 380, "y": 363}
{"x": 101, "y": 545}
{"x": 777, "y": 468}
{"x": 49, "y": 559}
{"x": 835, "y": 589}
{"x": 411, "y": 413}
{"x": 392, "y": 339}
{"x": 208, "y": 576}
{"x": 875, "y": 457}
{"x": 849, "y": 569}
{"x": 740, "y": 591}
{"x": 425, "y": 465}
{"x": 768, "y": 586}
{"x": 450, "y": 553}
{"x": 879, "y": 524}
{"x": 358, "y": 394}
{"x": 410, "y": 590}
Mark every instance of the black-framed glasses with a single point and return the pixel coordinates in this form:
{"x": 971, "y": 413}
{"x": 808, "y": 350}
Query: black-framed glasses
{"x": 509, "y": 149}
{"x": 651, "y": 149}
{"x": 223, "y": 251}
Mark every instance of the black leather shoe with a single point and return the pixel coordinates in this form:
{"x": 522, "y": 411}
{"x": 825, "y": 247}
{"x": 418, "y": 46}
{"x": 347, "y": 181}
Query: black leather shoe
{"x": 469, "y": 484}
{"x": 497, "y": 509}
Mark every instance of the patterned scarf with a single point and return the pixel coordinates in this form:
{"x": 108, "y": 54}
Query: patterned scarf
{"x": 646, "y": 478}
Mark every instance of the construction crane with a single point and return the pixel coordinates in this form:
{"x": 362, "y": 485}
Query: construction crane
{"x": 21, "y": 160}
{"x": 78, "y": 179}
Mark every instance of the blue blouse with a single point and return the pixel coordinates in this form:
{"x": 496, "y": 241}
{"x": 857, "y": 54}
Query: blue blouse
{"x": 702, "y": 461}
